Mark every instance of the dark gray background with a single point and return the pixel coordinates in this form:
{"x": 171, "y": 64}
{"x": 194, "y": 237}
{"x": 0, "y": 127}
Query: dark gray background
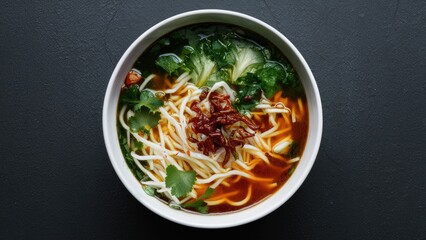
{"x": 368, "y": 182}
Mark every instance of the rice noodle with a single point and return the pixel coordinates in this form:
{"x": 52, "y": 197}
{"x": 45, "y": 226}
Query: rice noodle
{"x": 230, "y": 202}
{"x": 226, "y": 88}
{"x": 167, "y": 144}
{"x": 121, "y": 118}
{"x": 220, "y": 175}
{"x": 146, "y": 81}
{"x": 180, "y": 83}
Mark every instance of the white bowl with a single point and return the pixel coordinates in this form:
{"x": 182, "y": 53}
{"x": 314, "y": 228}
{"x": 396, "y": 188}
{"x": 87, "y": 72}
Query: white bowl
{"x": 228, "y": 219}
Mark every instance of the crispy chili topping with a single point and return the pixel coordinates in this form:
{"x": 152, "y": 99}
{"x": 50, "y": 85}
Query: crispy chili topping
{"x": 215, "y": 125}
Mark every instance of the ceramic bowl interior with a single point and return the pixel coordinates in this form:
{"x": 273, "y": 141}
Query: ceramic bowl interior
{"x": 219, "y": 220}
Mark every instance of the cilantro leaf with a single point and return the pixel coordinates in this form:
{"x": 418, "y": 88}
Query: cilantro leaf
{"x": 292, "y": 87}
{"x": 143, "y": 120}
{"x": 180, "y": 182}
{"x": 270, "y": 76}
{"x": 130, "y": 94}
{"x": 293, "y": 150}
{"x": 291, "y": 78}
{"x": 199, "y": 204}
{"x": 185, "y": 36}
{"x": 291, "y": 170}
{"x": 203, "y": 209}
{"x": 220, "y": 53}
{"x": 137, "y": 99}
{"x": 137, "y": 145}
{"x": 248, "y": 94}
{"x": 169, "y": 62}
{"x": 248, "y": 97}
{"x": 250, "y": 86}
{"x": 148, "y": 99}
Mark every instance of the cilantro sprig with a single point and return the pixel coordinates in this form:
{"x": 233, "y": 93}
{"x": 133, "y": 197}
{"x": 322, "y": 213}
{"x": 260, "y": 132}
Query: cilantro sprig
{"x": 180, "y": 182}
{"x": 148, "y": 99}
{"x": 200, "y": 205}
{"x": 143, "y": 120}
{"x": 145, "y": 106}
{"x": 138, "y": 99}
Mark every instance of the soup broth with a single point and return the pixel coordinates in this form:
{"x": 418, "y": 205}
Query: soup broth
{"x": 212, "y": 119}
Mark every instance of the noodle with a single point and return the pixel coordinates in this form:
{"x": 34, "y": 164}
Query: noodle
{"x": 245, "y": 160}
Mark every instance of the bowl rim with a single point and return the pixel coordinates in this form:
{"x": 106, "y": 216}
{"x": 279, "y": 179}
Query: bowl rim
{"x": 214, "y": 221}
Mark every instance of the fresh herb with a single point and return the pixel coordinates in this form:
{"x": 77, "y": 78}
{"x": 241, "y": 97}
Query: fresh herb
{"x": 291, "y": 78}
{"x": 169, "y": 62}
{"x": 143, "y": 120}
{"x": 149, "y": 190}
{"x": 180, "y": 182}
{"x": 218, "y": 76}
{"x": 293, "y": 150}
{"x": 270, "y": 76}
{"x": 130, "y": 94}
{"x": 222, "y": 55}
{"x": 137, "y": 146}
{"x": 185, "y": 36}
{"x": 291, "y": 84}
{"x": 145, "y": 105}
{"x": 148, "y": 99}
{"x": 137, "y": 99}
{"x": 203, "y": 209}
{"x": 200, "y": 205}
{"x": 126, "y": 153}
{"x": 292, "y": 170}
{"x": 248, "y": 93}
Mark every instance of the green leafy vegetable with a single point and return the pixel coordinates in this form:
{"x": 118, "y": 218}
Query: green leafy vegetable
{"x": 148, "y": 99}
{"x": 201, "y": 66}
{"x": 208, "y": 55}
{"x": 247, "y": 98}
{"x": 203, "y": 209}
{"x": 222, "y": 55}
{"x": 186, "y": 36}
{"x": 291, "y": 84}
{"x": 169, "y": 62}
{"x": 218, "y": 76}
{"x": 249, "y": 92}
{"x": 149, "y": 190}
{"x": 293, "y": 150}
{"x": 137, "y": 99}
{"x": 248, "y": 58}
{"x": 127, "y": 157}
{"x": 266, "y": 79}
{"x": 270, "y": 76}
{"x": 180, "y": 182}
{"x": 137, "y": 145}
{"x": 164, "y": 41}
{"x": 130, "y": 94}
{"x": 292, "y": 170}
{"x": 199, "y": 204}
{"x": 143, "y": 120}
{"x": 291, "y": 79}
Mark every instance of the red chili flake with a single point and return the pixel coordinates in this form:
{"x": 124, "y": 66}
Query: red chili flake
{"x": 133, "y": 76}
{"x": 221, "y": 115}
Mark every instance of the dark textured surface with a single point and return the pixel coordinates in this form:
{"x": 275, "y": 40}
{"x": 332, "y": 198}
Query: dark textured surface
{"x": 369, "y": 60}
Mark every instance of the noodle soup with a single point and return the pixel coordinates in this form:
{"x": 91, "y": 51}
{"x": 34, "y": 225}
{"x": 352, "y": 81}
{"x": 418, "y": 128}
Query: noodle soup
{"x": 212, "y": 118}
